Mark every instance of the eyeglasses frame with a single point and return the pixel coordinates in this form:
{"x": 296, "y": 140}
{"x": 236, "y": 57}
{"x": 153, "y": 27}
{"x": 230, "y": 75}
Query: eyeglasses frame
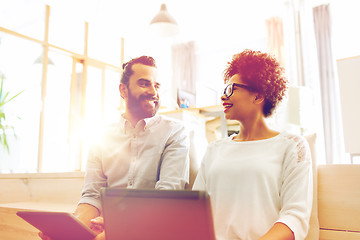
{"x": 251, "y": 89}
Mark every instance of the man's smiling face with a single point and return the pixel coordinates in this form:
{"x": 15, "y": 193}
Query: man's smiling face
{"x": 142, "y": 92}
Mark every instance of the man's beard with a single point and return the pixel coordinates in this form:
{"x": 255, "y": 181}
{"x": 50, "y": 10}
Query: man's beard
{"x": 137, "y": 108}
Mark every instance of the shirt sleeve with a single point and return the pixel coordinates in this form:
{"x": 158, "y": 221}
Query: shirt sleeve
{"x": 174, "y": 168}
{"x": 94, "y": 179}
{"x": 297, "y": 188}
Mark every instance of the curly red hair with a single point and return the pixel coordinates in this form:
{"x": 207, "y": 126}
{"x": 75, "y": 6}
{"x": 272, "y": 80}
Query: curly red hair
{"x": 262, "y": 72}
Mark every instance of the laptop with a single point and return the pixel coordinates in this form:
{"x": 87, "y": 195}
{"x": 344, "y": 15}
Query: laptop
{"x": 136, "y": 214}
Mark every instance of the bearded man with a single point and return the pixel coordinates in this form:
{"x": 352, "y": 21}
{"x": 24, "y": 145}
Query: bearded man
{"x": 143, "y": 150}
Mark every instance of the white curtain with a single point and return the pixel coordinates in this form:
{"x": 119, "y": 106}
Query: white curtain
{"x": 184, "y": 66}
{"x": 332, "y": 123}
{"x": 275, "y": 40}
{"x": 302, "y": 69}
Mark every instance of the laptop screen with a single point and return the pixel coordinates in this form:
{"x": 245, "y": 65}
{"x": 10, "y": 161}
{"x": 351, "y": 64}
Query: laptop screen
{"x": 134, "y": 214}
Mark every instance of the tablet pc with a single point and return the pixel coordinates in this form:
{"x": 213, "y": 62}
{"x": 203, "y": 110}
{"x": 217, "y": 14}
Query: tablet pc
{"x": 58, "y": 225}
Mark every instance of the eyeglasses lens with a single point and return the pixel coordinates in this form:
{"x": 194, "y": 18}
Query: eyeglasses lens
{"x": 228, "y": 90}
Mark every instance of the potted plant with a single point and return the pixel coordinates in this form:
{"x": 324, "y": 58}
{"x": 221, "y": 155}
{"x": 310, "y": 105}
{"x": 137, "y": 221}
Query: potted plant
{"x": 4, "y": 99}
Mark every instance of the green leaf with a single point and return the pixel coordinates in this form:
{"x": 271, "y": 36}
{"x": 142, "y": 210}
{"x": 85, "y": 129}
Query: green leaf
{"x": 3, "y": 127}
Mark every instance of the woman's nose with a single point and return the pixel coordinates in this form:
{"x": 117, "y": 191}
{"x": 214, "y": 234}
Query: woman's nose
{"x": 224, "y": 97}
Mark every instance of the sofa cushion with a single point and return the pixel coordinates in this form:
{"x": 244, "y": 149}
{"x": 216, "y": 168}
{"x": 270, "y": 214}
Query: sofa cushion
{"x": 314, "y": 228}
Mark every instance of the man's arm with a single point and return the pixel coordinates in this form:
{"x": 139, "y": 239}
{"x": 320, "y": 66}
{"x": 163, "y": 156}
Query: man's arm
{"x": 174, "y": 170}
{"x": 94, "y": 180}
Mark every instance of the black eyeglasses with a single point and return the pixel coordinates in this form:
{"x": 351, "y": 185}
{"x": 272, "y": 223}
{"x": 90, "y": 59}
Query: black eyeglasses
{"x": 229, "y": 89}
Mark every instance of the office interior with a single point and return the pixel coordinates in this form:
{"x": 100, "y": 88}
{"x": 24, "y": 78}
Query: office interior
{"x": 62, "y": 60}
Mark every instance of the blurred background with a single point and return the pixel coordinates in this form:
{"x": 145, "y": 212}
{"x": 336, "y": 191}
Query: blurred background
{"x": 64, "y": 58}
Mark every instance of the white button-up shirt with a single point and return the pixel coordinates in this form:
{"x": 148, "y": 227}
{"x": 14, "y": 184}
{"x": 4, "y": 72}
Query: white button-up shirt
{"x": 153, "y": 155}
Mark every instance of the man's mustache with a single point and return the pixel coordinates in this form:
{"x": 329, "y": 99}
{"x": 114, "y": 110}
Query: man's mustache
{"x": 149, "y": 98}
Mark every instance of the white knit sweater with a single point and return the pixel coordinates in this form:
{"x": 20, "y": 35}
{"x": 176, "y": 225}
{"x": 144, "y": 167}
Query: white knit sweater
{"x": 254, "y": 184}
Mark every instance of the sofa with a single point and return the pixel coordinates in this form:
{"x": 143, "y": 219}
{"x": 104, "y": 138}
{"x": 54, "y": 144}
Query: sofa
{"x": 336, "y": 200}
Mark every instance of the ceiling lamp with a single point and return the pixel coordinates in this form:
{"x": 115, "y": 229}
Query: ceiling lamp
{"x": 164, "y": 24}
{"x": 39, "y": 60}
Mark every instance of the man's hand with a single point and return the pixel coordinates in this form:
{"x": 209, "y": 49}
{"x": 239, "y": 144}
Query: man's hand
{"x": 97, "y": 225}
{"x": 86, "y": 212}
{"x": 43, "y": 236}
{"x": 101, "y": 236}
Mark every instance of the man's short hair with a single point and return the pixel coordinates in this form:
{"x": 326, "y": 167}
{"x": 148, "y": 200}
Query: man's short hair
{"x": 127, "y": 67}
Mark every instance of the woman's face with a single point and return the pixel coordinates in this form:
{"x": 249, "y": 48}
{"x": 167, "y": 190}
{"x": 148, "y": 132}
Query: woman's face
{"x": 238, "y": 102}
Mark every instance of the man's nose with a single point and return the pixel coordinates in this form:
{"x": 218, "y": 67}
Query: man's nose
{"x": 152, "y": 90}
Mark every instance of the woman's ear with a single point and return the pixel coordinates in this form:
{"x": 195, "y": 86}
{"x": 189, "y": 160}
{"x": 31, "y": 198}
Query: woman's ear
{"x": 123, "y": 91}
{"x": 258, "y": 99}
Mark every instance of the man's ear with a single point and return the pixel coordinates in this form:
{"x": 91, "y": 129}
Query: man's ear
{"x": 123, "y": 91}
{"x": 259, "y": 99}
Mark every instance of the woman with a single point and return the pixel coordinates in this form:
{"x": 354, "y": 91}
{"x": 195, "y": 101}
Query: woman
{"x": 260, "y": 180}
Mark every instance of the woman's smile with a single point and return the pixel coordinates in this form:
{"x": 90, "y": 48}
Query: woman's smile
{"x": 227, "y": 106}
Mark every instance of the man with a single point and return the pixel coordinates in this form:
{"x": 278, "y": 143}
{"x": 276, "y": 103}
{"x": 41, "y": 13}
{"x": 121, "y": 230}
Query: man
{"x": 143, "y": 150}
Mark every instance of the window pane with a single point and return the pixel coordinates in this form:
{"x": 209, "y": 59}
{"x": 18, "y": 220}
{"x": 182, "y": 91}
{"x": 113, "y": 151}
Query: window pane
{"x": 104, "y": 43}
{"x": 113, "y": 101}
{"x": 346, "y": 38}
{"x": 93, "y": 111}
{"x": 75, "y": 119}
{"x": 23, "y": 16}
{"x": 66, "y": 32}
{"x": 17, "y": 58}
{"x": 56, "y": 120}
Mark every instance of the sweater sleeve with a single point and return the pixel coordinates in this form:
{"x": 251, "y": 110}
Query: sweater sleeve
{"x": 297, "y": 188}
{"x": 200, "y": 180}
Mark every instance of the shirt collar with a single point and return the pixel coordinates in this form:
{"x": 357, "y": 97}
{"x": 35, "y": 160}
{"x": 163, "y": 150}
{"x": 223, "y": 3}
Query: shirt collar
{"x": 142, "y": 124}
{"x": 150, "y": 121}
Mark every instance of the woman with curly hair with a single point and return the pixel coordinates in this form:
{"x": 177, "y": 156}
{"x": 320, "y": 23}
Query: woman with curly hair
{"x": 259, "y": 180}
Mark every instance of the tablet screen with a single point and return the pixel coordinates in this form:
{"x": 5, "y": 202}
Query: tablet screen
{"x": 58, "y": 225}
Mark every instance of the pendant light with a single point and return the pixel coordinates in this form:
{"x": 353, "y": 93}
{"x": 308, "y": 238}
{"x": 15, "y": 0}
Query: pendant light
{"x": 164, "y": 24}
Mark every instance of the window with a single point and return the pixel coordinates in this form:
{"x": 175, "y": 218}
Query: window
{"x": 64, "y": 102}
{"x": 17, "y": 58}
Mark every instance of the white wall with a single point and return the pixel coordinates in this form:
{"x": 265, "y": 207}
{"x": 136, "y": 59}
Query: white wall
{"x": 349, "y": 83}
